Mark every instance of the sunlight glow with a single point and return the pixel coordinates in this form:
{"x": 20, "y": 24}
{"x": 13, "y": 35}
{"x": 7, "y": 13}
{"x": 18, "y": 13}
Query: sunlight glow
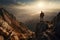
{"x": 41, "y": 5}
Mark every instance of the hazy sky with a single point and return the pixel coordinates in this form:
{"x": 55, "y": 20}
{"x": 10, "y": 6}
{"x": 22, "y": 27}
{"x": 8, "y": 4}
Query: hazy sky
{"x": 26, "y": 1}
{"x": 30, "y": 9}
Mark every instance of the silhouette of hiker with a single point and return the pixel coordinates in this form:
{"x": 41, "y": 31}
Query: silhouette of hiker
{"x": 41, "y": 16}
{"x": 40, "y": 28}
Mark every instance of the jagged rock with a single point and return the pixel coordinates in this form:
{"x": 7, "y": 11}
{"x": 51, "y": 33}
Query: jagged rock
{"x": 56, "y": 21}
{"x": 11, "y": 27}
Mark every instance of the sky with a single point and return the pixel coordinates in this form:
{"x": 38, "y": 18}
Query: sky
{"x": 25, "y": 10}
{"x": 25, "y": 1}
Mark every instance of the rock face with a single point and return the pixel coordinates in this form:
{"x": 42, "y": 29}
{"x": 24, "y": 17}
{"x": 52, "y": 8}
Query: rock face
{"x": 12, "y": 29}
{"x": 56, "y": 21}
{"x": 56, "y": 18}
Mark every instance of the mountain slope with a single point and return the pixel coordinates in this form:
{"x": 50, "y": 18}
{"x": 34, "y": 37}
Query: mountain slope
{"x": 10, "y": 26}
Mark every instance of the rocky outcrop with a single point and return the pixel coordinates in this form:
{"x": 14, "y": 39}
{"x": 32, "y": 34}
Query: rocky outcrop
{"x": 12, "y": 29}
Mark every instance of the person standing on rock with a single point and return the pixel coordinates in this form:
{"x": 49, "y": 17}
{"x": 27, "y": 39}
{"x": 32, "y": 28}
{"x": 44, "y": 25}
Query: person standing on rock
{"x": 42, "y": 16}
{"x": 41, "y": 27}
